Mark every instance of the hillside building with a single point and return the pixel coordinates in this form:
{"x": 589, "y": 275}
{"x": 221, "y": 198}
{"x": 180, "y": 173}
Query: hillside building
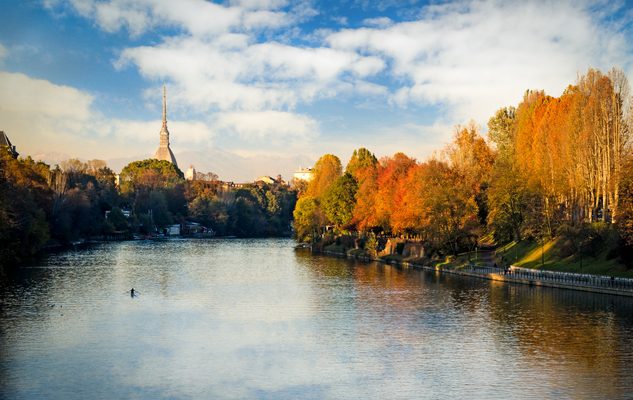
{"x": 303, "y": 174}
{"x": 190, "y": 174}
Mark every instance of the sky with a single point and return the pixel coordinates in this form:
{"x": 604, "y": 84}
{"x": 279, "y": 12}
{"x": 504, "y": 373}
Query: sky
{"x": 263, "y": 87}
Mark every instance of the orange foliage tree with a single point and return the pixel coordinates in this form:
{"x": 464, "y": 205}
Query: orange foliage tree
{"x": 554, "y": 161}
{"x": 391, "y": 187}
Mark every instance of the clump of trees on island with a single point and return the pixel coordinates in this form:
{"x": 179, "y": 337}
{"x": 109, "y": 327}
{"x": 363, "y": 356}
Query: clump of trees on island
{"x": 43, "y": 206}
{"x": 552, "y": 166}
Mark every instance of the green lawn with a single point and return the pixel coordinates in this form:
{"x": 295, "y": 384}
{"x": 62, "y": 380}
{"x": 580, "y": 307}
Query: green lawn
{"x": 528, "y": 254}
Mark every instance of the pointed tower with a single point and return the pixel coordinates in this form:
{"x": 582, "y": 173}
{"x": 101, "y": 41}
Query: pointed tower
{"x": 164, "y": 151}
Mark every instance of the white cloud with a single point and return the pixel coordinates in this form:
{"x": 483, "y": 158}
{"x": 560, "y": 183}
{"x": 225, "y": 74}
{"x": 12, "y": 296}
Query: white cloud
{"x": 265, "y": 18}
{"x": 20, "y": 94}
{"x": 220, "y": 63}
{"x": 40, "y": 117}
{"x": 112, "y": 17}
{"x": 259, "y": 4}
{"x": 478, "y": 56}
{"x": 240, "y": 64}
{"x": 228, "y": 73}
{"x": 184, "y": 134}
{"x": 318, "y": 64}
{"x": 267, "y": 125}
{"x": 197, "y": 17}
{"x": 370, "y": 88}
{"x": 380, "y": 22}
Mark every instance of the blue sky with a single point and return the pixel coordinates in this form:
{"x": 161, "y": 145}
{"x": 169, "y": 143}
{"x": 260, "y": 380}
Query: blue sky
{"x": 264, "y": 86}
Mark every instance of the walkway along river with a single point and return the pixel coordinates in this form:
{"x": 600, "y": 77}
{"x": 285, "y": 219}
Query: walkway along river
{"x": 562, "y": 280}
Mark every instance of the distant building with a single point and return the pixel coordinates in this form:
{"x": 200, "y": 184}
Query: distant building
{"x": 190, "y": 175}
{"x": 126, "y": 213}
{"x": 303, "y": 174}
{"x": 173, "y": 230}
{"x": 6, "y": 143}
{"x": 266, "y": 179}
{"x": 164, "y": 151}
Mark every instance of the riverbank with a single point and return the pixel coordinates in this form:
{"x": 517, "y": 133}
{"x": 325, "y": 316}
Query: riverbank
{"x": 480, "y": 268}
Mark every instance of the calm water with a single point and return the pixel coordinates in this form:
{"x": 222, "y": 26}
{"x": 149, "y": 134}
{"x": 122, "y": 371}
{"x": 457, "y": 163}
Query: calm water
{"x": 255, "y": 319}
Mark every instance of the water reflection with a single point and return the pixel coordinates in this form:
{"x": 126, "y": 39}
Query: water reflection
{"x": 254, "y": 319}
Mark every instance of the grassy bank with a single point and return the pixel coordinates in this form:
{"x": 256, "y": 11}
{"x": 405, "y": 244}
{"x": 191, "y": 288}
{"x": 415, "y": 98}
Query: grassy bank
{"x": 554, "y": 255}
{"x": 548, "y": 256}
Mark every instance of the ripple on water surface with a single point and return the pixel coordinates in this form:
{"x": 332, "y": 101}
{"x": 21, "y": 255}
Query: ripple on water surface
{"x": 255, "y": 319}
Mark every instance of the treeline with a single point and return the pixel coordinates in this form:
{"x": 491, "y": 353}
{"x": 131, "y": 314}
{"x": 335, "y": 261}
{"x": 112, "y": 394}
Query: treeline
{"x": 551, "y": 166}
{"x": 43, "y": 206}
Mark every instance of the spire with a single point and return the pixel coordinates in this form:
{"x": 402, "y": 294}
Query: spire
{"x": 164, "y": 152}
{"x": 164, "y": 107}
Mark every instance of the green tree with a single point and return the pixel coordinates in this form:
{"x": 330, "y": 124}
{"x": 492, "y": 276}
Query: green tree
{"x": 308, "y": 219}
{"x": 160, "y": 212}
{"x": 501, "y": 130}
{"x": 155, "y": 185}
{"x": 219, "y": 216}
{"x": 507, "y": 193}
{"x": 210, "y": 212}
{"x": 246, "y": 218}
{"x": 339, "y": 201}
{"x": 149, "y": 175}
{"x": 117, "y": 219}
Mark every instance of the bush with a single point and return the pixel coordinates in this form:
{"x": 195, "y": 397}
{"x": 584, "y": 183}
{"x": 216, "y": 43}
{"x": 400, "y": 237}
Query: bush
{"x": 371, "y": 244}
{"x": 566, "y": 248}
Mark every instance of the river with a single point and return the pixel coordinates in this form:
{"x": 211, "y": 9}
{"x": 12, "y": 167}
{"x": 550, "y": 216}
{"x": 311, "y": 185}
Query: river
{"x": 242, "y": 319}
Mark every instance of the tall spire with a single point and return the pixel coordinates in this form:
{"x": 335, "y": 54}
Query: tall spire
{"x": 164, "y": 152}
{"x": 164, "y": 107}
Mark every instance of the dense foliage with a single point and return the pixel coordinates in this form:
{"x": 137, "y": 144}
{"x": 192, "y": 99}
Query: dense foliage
{"x": 24, "y": 196}
{"x": 551, "y": 167}
{"x": 78, "y": 200}
{"x": 38, "y": 204}
{"x": 254, "y": 210}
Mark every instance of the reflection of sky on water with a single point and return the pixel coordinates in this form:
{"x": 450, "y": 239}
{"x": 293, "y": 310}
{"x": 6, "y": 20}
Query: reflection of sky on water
{"x": 253, "y": 319}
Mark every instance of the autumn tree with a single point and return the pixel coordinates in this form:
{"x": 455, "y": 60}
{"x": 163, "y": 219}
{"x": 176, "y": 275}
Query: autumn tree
{"x": 361, "y": 162}
{"x": 472, "y": 159}
{"x": 23, "y": 224}
{"x": 363, "y": 166}
{"x": 448, "y": 216}
{"x": 326, "y": 170}
{"x": 625, "y": 220}
{"x": 390, "y": 181}
{"x": 412, "y": 217}
{"x": 555, "y": 165}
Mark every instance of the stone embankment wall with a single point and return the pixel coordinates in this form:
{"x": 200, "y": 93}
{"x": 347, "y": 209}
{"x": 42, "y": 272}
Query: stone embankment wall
{"x": 561, "y": 280}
